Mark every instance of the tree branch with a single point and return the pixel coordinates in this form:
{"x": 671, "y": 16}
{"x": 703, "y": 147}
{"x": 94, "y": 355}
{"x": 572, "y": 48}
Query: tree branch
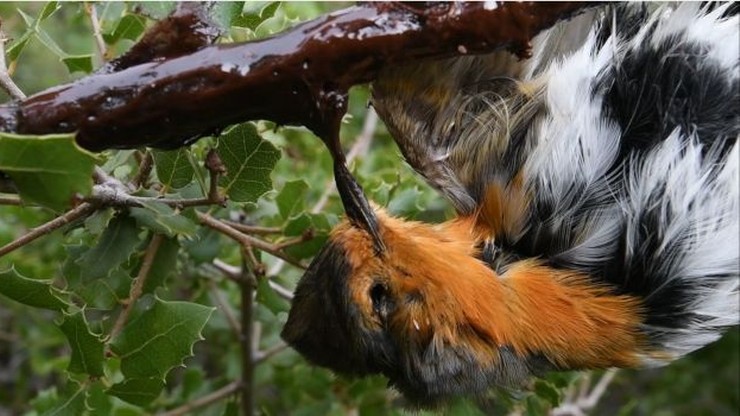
{"x": 299, "y": 77}
{"x": 213, "y": 397}
{"x": 253, "y": 229}
{"x": 247, "y": 286}
{"x": 6, "y": 82}
{"x": 246, "y": 240}
{"x": 10, "y": 200}
{"x": 262, "y": 356}
{"x": 82, "y": 211}
{"x": 97, "y": 32}
{"x": 145, "y": 169}
{"x": 577, "y": 404}
{"x": 138, "y": 285}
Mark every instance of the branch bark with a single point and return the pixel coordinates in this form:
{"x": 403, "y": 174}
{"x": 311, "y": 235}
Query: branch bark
{"x": 82, "y": 211}
{"x": 138, "y": 284}
{"x": 213, "y": 397}
{"x": 300, "y": 77}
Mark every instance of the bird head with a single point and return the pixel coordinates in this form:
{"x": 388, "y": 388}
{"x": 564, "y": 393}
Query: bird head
{"x": 415, "y": 312}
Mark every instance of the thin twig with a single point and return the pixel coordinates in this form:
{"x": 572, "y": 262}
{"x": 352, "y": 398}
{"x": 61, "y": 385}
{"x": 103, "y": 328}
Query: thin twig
{"x": 216, "y": 168}
{"x": 138, "y": 285}
{"x": 262, "y": 356}
{"x": 145, "y": 169}
{"x": 584, "y": 385}
{"x": 593, "y": 398}
{"x": 247, "y": 286}
{"x": 97, "y": 32}
{"x": 281, "y": 291}
{"x": 232, "y": 272}
{"x": 215, "y": 396}
{"x": 306, "y": 236}
{"x": 254, "y": 229}
{"x": 585, "y": 400}
{"x": 244, "y": 239}
{"x": 10, "y": 200}
{"x": 125, "y": 200}
{"x": 110, "y": 191}
{"x": 225, "y": 308}
{"x": 82, "y": 211}
{"x": 6, "y": 82}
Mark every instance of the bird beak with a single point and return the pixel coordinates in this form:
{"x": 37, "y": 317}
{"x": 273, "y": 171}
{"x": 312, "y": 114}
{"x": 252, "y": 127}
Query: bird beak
{"x": 358, "y": 210}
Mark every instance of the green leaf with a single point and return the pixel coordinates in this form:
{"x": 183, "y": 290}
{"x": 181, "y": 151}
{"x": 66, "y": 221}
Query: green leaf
{"x": 131, "y": 26}
{"x": 78, "y": 63}
{"x": 535, "y": 407}
{"x": 15, "y": 48}
{"x": 138, "y": 391}
{"x": 160, "y": 338}
{"x": 97, "y": 399}
{"x": 225, "y": 12}
{"x": 114, "y": 246}
{"x": 164, "y": 265}
{"x": 269, "y": 10}
{"x": 50, "y": 43}
{"x": 163, "y": 219}
{"x": 96, "y": 223}
{"x": 547, "y": 391}
{"x": 291, "y": 198}
{"x": 267, "y": 297}
{"x": 87, "y": 348}
{"x": 31, "y": 292}
{"x": 253, "y": 20}
{"x": 48, "y": 170}
{"x": 48, "y": 10}
{"x": 173, "y": 168}
{"x": 69, "y": 402}
{"x": 96, "y": 293}
{"x": 249, "y": 160}
{"x": 204, "y": 247}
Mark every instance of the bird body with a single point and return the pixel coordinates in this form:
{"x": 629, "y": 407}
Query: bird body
{"x": 596, "y": 186}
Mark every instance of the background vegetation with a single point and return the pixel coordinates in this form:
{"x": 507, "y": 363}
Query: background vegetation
{"x": 148, "y": 308}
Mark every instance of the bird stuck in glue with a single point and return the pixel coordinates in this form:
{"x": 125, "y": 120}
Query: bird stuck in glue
{"x": 596, "y": 187}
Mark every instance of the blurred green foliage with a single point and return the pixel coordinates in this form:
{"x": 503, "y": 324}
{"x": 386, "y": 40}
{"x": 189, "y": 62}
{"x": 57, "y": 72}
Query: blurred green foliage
{"x": 54, "y": 362}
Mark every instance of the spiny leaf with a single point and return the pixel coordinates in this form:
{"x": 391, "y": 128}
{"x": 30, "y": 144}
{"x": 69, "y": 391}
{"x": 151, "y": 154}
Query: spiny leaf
{"x": 87, "y": 348}
{"x": 131, "y": 26}
{"x": 96, "y": 293}
{"x": 48, "y": 170}
{"x": 31, "y": 292}
{"x": 226, "y": 12}
{"x": 173, "y": 168}
{"x": 138, "y": 391}
{"x": 547, "y": 391}
{"x": 115, "y": 245}
{"x": 204, "y": 247}
{"x": 78, "y": 63}
{"x": 253, "y": 20}
{"x": 70, "y": 401}
{"x": 96, "y": 223}
{"x": 249, "y": 160}
{"x": 163, "y": 219}
{"x": 160, "y": 338}
{"x": 97, "y": 400}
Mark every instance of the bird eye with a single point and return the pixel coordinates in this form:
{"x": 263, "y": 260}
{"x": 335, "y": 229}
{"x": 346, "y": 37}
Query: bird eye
{"x": 379, "y": 297}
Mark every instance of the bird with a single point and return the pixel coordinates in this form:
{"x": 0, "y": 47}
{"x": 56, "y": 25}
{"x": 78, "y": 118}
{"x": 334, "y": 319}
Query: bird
{"x": 595, "y": 187}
